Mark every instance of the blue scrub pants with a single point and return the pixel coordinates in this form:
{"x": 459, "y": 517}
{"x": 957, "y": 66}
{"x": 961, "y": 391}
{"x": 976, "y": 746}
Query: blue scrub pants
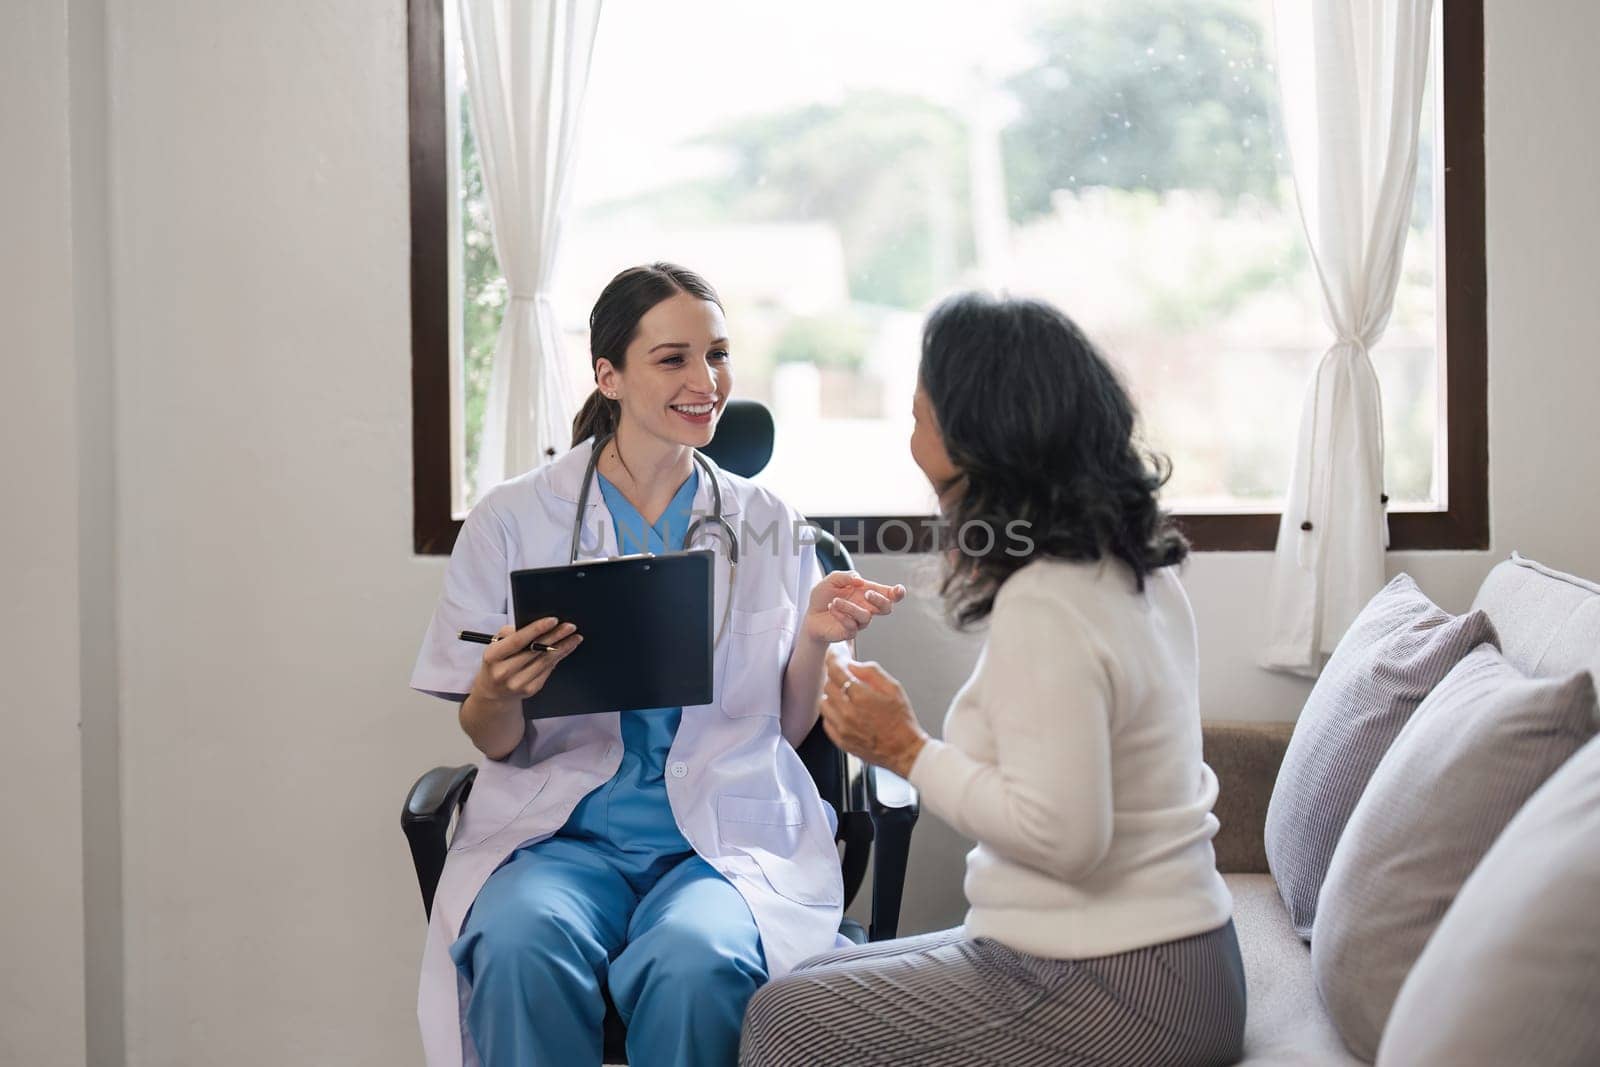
{"x": 674, "y": 942}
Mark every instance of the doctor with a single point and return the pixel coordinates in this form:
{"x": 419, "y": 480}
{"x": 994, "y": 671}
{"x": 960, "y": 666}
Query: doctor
{"x": 676, "y": 857}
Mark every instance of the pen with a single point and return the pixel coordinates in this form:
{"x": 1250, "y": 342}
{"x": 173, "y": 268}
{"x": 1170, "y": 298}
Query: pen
{"x": 489, "y": 639}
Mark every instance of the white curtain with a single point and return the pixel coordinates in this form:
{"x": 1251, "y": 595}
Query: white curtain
{"x": 527, "y": 64}
{"x": 1351, "y": 74}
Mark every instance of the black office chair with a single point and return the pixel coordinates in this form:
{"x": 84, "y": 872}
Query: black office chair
{"x": 877, "y": 810}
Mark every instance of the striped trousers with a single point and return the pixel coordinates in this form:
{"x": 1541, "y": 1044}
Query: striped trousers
{"x": 945, "y": 999}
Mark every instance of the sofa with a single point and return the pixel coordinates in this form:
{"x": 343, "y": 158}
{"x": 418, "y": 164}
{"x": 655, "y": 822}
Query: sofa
{"x": 1548, "y": 625}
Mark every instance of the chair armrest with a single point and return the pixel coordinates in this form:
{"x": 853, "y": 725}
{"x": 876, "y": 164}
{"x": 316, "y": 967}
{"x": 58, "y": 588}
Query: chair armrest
{"x": 855, "y": 822}
{"x": 855, "y": 835}
{"x": 1245, "y": 757}
{"x": 886, "y": 790}
{"x": 439, "y": 793}
{"x": 894, "y": 806}
{"x": 430, "y": 805}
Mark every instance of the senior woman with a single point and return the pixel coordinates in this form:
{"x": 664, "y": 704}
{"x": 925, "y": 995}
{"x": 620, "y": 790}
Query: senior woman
{"x": 1098, "y": 929}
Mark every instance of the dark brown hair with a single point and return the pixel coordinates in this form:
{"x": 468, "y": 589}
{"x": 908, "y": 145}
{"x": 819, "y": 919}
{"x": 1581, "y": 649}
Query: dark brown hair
{"x": 1040, "y": 430}
{"x": 613, "y": 324}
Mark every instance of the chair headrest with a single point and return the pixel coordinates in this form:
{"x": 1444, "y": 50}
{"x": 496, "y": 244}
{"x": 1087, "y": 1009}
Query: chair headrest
{"x": 743, "y": 441}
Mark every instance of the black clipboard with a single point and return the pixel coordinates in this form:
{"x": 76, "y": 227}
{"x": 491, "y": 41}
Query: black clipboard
{"x": 646, "y": 626}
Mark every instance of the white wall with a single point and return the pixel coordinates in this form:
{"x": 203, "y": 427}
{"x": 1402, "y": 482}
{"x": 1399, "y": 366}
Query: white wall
{"x": 98, "y": 588}
{"x": 271, "y": 604}
{"x": 41, "y": 887}
{"x": 269, "y": 601}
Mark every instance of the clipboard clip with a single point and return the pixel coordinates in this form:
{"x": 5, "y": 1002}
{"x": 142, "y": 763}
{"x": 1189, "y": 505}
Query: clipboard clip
{"x": 616, "y": 559}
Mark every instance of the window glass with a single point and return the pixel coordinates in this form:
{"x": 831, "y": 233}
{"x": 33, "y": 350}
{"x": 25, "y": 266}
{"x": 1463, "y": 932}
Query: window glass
{"x": 835, "y": 169}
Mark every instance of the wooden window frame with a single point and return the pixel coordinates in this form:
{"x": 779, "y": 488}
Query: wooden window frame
{"x": 1464, "y": 524}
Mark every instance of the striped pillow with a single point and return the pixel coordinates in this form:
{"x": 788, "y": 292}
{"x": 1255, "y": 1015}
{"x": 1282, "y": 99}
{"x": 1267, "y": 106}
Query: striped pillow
{"x": 1396, "y": 651}
{"x": 1479, "y": 746}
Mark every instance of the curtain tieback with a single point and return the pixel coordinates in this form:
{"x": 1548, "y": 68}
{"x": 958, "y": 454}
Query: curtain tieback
{"x": 1306, "y": 525}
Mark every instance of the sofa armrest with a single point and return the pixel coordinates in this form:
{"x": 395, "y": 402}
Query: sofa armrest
{"x": 1245, "y": 757}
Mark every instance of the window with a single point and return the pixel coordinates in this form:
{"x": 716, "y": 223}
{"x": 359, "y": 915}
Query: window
{"x": 1123, "y": 161}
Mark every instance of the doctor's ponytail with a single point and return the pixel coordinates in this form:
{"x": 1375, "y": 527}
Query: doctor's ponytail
{"x": 613, "y": 324}
{"x": 597, "y": 418}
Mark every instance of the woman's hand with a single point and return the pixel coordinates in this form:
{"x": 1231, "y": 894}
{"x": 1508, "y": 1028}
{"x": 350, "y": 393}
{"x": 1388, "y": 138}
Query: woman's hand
{"x": 510, "y": 672}
{"x": 843, "y": 603}
{"x": 866, "y": 713}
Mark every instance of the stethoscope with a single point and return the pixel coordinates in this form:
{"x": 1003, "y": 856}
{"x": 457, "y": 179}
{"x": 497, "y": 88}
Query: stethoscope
{"x": 724, "y": 528}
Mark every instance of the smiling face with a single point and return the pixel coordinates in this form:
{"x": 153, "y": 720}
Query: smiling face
{"x": 676, "y": 373}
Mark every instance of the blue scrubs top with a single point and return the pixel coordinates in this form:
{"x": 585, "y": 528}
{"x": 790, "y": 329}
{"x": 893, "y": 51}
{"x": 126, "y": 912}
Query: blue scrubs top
{"x": 630, "y": 815}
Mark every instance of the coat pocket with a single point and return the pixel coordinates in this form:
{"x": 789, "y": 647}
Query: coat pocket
{"x": 500, "y": 793}
{"x": 773, "y": 833}
{"x": 758, "y": 648}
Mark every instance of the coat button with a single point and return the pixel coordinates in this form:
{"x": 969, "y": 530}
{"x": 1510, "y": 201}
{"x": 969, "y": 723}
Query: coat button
{"x": 679, "y": 769}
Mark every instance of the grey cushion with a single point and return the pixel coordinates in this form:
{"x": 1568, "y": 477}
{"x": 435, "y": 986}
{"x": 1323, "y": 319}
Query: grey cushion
{"x": 1285, "y": 1023}
{"x": 1395, "y": 652}
{"x": 1511, "y": 974}
{"x": 1548, "y": 622}
{"x": 1482, "y": 742}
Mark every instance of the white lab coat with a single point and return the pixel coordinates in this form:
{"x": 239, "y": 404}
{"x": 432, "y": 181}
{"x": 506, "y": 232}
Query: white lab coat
{"x": 739, "y": 792}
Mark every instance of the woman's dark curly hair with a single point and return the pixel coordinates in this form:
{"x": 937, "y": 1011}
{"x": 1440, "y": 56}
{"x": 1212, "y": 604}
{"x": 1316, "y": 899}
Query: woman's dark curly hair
{"x": 1040, "y": 430}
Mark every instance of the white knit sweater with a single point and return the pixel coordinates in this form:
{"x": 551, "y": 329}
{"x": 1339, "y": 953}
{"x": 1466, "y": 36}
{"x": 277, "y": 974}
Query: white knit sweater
{"x": 1072, "y": 757}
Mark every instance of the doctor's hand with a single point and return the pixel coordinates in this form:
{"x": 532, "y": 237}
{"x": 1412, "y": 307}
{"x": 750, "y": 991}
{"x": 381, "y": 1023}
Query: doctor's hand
{"x": 844, "y": 603}
{"x": 511, "y": 671}
{"x": 492, "y": 713}
{"x": 866, "y": 713}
